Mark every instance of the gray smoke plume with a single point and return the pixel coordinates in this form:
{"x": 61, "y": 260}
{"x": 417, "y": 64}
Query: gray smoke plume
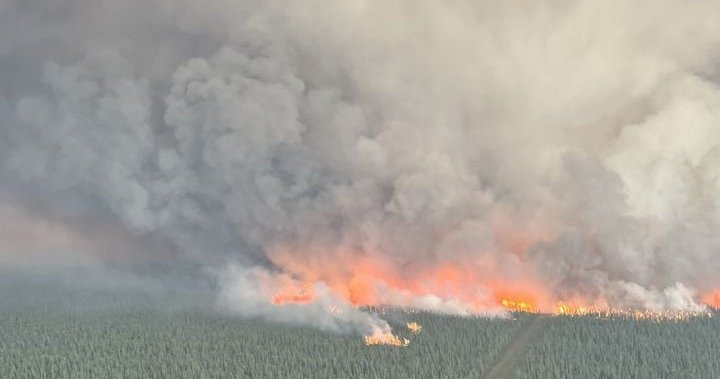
{"x": 574, "y": 143}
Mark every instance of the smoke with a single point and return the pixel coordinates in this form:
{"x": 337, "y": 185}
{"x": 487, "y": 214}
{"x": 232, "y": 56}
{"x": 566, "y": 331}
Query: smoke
{"x": 249, "y": 292}
{"x": 368, "y": 146}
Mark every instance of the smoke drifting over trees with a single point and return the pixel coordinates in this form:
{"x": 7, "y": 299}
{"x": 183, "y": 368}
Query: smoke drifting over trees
{"x": 573, "y": 144}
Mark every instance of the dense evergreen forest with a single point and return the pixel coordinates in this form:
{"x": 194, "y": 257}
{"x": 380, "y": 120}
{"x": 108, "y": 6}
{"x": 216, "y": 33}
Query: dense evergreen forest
{"x": 52, "y": 332}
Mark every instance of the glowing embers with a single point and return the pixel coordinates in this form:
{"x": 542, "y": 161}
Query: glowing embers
{"x": 386, "y": 338}
{"x": 290, "y": 294}
{"x": 414, "y": 327}
{"x": 518, "y": 306}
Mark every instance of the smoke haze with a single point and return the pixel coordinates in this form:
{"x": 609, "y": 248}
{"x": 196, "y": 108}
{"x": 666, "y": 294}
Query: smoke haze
{"x": 431, "y": 154}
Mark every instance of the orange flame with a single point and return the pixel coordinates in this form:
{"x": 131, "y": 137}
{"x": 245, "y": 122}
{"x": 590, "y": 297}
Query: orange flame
{"x": 518, "y": 306}
{"x": 362, "y": 279}
{"x": 565, "y": 309}
{"x": 365, "y": 280}
{"x": 712, "y": 299}
{"x": 293, "y": 295}
{"x": 388, "y": 339}
{"x": 414, "y": 327}
{"x": 605, "y": 311}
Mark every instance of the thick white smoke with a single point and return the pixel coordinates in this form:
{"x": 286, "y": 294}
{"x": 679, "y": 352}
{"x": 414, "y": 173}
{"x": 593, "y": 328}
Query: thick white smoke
{"x": 576, "y": 142}
{"x": 250, "y": 292}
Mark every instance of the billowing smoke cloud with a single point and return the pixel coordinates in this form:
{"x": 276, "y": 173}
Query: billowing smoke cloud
{"x": 452, "y": 146}
{"x": 251, "y": 291}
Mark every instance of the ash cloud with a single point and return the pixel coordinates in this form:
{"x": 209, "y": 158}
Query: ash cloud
{"x": 575, "y": 143}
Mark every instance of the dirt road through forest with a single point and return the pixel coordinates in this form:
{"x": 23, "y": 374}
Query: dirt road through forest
{"x": 513, "y": 353}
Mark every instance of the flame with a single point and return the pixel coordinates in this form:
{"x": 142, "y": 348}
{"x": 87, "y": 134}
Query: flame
{"x": 386, "y": 338}
{"x": 518, "y": 306}
{"x": 565, "y": 309}
{"x": 414, "y": 327}
{"x": 362, "y": 279}
{"x": 605, "y": 311}
{"x": 712, "y": 299}
{"x": 290, "y": 294}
